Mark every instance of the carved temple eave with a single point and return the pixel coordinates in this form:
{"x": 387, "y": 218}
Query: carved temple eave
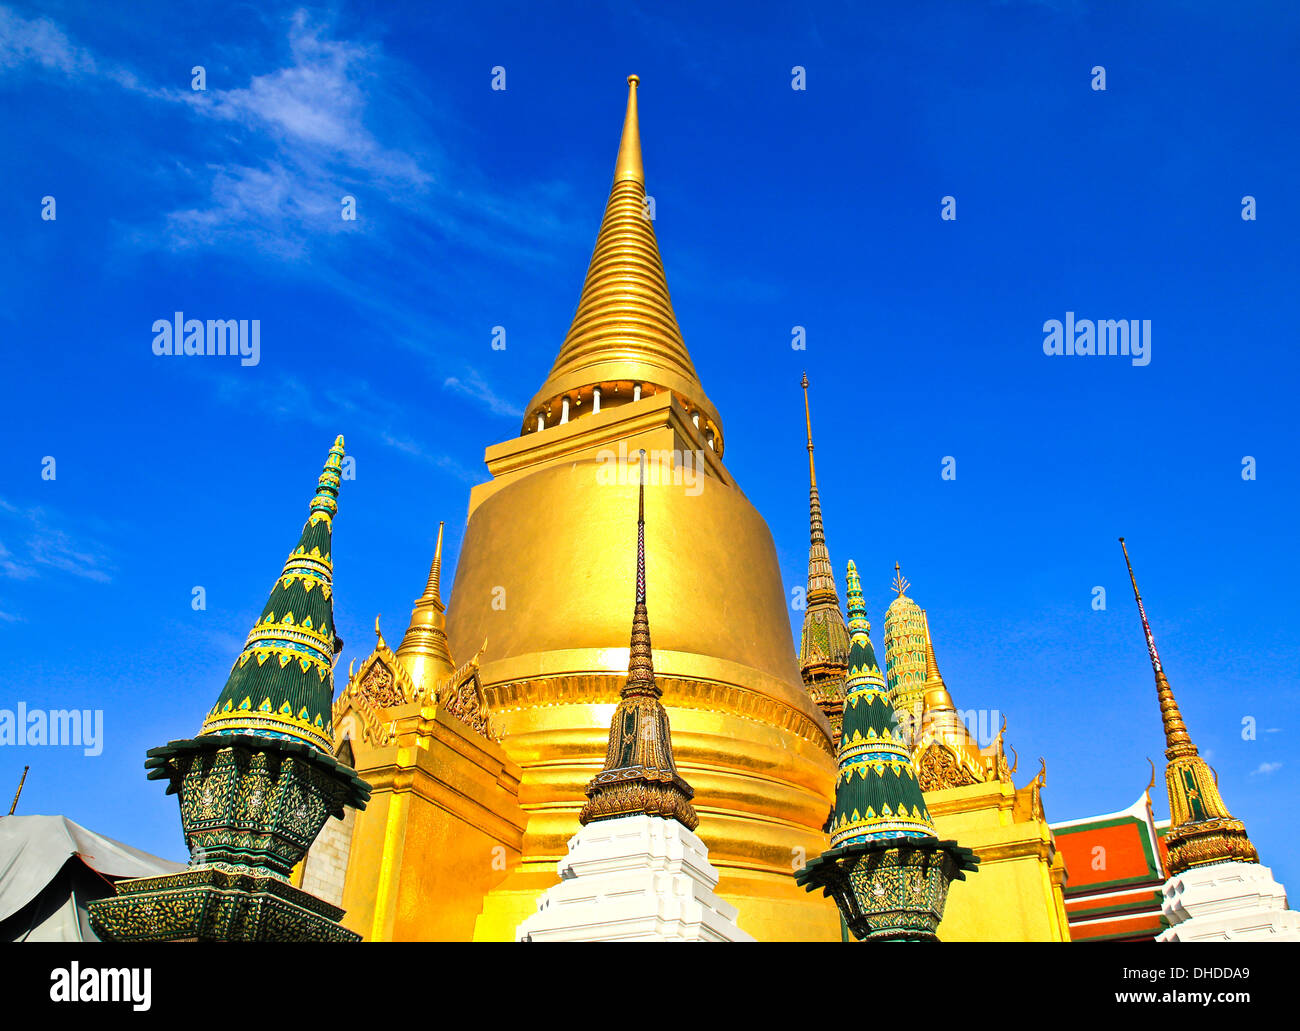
{"x": 381, "y": 687}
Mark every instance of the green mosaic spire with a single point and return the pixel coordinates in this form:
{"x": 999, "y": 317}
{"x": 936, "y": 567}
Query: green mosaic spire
{"x": 282, "y": 684}
{"x": 259, "y": 781}
{"x": 876, "y": 792}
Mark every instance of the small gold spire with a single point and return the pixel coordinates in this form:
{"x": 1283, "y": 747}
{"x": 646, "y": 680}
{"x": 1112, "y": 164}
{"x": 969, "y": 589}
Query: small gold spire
{"x": 1201, "y": 830}
{"x": 628, "y": 165}
{"x": 1177, "y": 740}
{"x": 900, "y": 583}
{"x": 933, "y": 680}
{"x": 424, "y": 650}
{"x": 640, "y": 774}
{"x": 824, "y": 639}
{"x": 940, "y": 721}
{"x": 821, "y": 577}
{"x": 435, "y": 571}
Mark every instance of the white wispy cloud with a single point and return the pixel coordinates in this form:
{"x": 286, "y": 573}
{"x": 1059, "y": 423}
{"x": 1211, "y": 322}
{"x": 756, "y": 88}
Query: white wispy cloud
{"x": 419, "y": 451}
{"x": 307, "y": 124}
{"x": 13, "y": 569}
{"x": 317, "y": 103}
{"x": 40, "y": 42}
{"x": 296, "y": 139}
{"x": 473, "y": 385}
{"x": 1264, "y": 769}
{"x": 333, "y": 408}
{"x": 46, "y": 544}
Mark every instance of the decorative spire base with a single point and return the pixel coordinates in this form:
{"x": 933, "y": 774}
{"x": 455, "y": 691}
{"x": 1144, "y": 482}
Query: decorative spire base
{"x": 890, "y": 890}
{"x": 634, "y": 792}
{"x": 1207, "y": 842}
{"x": 634, "y": 879}
{"x": 1231, "y": 901}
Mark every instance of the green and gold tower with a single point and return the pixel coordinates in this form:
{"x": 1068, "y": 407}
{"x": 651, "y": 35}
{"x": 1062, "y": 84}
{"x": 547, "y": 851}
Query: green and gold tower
{"x": 824, "y": 640}
{"x": 886, "y": 868}
{"x": 259, "y": 781}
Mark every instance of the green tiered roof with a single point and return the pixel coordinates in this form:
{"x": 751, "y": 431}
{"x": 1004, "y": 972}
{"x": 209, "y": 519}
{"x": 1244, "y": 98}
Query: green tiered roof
{"x": 877, "y": 795}
{"x": 282, "y": 684}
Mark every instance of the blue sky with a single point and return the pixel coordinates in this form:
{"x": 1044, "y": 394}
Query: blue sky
{"x": 775, "y": 208}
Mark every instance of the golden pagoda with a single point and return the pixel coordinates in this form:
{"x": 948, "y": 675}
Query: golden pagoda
{"x": 532, "y": 577}
{"x": 824, "y": 640}
{"x": 480, "y": 772}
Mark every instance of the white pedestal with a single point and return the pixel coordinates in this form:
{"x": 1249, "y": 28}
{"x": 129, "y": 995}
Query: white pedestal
{"x": 637, "y": 878}
{"x": 1228, "y": 902}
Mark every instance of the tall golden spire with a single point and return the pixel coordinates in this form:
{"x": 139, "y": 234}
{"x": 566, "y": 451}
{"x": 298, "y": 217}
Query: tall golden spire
{"x": 941, "y": 723}
{"x": 628, "y": 165}
{"x": 824, "y": 640}
{"x": 624, "y": 338}
{"x": 821, "y": 578}
{"x": 640, "y": 775}
{"x": 1201, "y": 830}
{"x": 424, "y": 650}
{"x": 807, "y": 420}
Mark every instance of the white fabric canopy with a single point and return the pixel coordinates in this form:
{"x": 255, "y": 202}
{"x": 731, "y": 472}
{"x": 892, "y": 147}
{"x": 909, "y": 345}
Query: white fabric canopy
{"x": 53, "y": 867}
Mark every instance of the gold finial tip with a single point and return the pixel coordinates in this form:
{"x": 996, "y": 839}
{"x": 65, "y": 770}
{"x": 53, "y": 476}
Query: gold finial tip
{"x": 634, "y": 80}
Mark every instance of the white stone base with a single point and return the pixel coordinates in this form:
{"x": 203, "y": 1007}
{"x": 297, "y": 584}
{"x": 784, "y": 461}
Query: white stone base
{"x": 637, "y": 878}
{"x": 1228, "y": 902}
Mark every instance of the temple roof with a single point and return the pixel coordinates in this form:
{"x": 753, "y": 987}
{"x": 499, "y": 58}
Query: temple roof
{"x": 282, "y": 684}
{"x": 624, "y": 333}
